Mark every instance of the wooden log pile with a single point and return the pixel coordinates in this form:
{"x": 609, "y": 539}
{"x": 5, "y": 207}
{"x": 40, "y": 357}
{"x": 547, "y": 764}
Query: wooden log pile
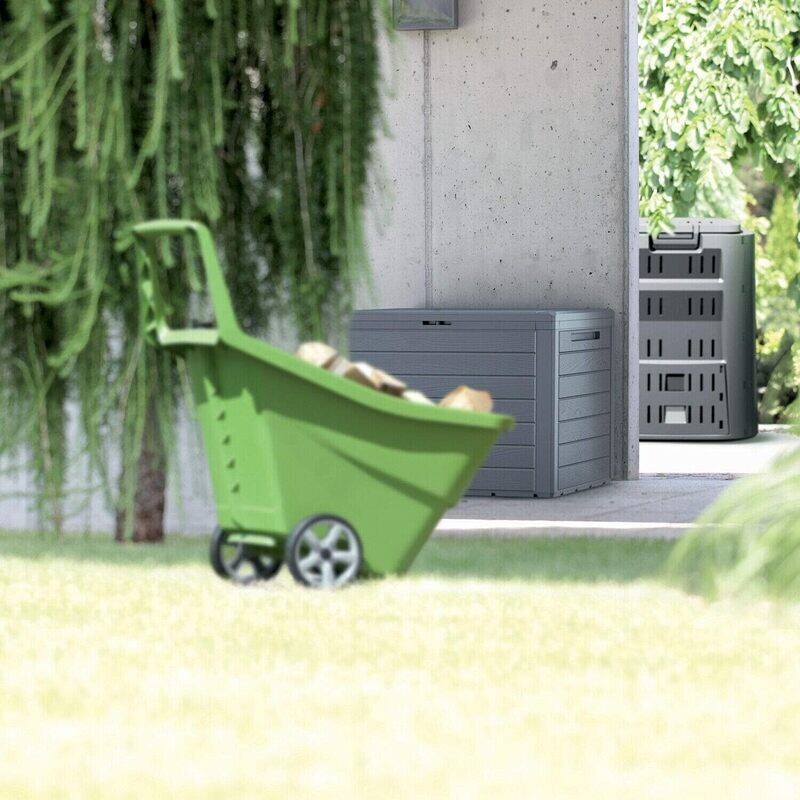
{"x": 324, "y": 356}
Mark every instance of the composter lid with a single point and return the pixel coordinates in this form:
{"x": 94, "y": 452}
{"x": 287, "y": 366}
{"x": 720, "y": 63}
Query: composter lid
{"x": 688, "y": 225}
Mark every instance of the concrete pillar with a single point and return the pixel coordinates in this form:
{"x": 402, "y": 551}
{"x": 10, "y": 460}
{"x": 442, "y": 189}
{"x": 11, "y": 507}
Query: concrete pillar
{"x": 508, "y": 175}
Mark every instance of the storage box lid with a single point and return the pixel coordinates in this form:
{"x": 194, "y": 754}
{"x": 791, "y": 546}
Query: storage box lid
{"x": 481, "y": 318}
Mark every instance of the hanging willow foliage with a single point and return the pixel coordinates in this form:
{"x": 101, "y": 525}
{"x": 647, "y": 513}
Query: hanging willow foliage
{"x": 255, "y": 116}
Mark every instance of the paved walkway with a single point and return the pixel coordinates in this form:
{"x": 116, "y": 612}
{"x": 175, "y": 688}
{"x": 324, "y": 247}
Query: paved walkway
{"x": 704, "y": 458}
{"x": 652, "y": 506}
{"x": 679, "y": 481}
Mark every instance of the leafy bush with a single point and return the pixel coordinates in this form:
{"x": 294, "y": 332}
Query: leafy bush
{"x": 717, "y": 84}
{"x": 256, "y": 118}
{"x": 778, "y": 312}
{"x": 748, "y": 542}
{"x": 720, "y": 98}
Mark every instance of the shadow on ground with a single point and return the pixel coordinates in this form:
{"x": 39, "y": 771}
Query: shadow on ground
{"x": 586, "y": 560}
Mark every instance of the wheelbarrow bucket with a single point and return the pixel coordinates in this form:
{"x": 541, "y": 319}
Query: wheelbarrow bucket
{"x": 287, "y": 441}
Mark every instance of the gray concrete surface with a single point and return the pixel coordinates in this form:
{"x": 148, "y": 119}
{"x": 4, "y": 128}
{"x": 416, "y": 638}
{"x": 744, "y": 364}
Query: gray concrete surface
{"x": 679, "y": 481}
{"x": 734, "y": 458}
{"x": 508, "y": 175}
{"x": 652, "y": 506}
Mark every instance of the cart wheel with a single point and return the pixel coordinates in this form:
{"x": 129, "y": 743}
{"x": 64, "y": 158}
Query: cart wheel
{"x": 324, "y": 552}
{"x": 238, "y": 563}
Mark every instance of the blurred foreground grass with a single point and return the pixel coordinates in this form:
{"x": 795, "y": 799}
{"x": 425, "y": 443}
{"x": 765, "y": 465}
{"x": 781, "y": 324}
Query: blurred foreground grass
{"x": 747, "y": 543}
{"x": 498, "y": 668}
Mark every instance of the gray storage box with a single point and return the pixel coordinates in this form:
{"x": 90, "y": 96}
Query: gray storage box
{"x": 697, "y": 332}
{"x": 551, "y": 370}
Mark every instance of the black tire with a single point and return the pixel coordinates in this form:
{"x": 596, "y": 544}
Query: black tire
{"x": 334, "y": 560}
{"x": 238, "y": 563}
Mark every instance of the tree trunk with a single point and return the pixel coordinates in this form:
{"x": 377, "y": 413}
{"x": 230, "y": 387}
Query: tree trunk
{"x": 151, "y": 485}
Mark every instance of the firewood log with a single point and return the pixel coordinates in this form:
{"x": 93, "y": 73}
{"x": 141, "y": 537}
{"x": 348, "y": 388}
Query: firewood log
{"x": 325, "y": 356}
{"x": 363, "y": 373}
{"x": 468, "y": 399}
{"x": 317, "y": 353}
{"x": 413, "y": 396}
{"x": 339, "y": 366}
{"x": 389, "y": 384}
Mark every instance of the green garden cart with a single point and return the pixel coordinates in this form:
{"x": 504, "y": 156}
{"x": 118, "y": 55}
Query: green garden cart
{"x": 336, "y": 479}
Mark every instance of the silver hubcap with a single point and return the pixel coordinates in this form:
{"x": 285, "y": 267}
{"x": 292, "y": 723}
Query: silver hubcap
{"x": 328, "y": 554}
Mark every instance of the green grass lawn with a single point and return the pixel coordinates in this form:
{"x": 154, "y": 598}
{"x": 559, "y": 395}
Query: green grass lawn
{"x": 506, "y": 668}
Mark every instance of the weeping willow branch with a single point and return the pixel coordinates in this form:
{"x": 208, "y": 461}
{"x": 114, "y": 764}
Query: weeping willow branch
{"x": 254, "y": 116}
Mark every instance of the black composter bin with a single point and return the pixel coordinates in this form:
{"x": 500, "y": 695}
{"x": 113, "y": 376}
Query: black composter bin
{"x": 697, "y": 331}
{"x": 551, "y": 370}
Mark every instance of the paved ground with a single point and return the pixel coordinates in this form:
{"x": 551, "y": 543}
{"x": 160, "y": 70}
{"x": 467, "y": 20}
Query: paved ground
{"x": 652, "y": 506}
{"x": 679, "y": 480}
{"x": 737, "y": 458}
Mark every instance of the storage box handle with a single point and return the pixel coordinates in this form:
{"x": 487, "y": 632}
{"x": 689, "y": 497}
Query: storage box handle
{"x": 679, "y": 240}
{"x": 585, "y": 336}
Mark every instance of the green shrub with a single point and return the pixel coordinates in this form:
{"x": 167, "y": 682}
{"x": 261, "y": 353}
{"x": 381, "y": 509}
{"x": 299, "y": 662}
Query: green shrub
{"x": 778, "y": 312}
{"x": 748, "y": 542}
{"x": 719, "y": 113}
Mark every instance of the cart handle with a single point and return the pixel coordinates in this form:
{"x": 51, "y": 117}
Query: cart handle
{"x": 145, "y": 233}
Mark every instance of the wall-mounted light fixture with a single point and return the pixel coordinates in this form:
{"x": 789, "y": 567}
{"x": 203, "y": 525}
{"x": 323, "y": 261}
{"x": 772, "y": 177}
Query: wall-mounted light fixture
{"x": 425, "y": 15}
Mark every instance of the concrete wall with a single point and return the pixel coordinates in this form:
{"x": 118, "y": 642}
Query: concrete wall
{"x": 509, "y": 176}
